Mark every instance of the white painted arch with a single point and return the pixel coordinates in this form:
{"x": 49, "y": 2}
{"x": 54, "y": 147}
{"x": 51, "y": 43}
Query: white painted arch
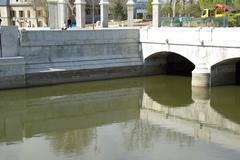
{"x": 207, "y": 46}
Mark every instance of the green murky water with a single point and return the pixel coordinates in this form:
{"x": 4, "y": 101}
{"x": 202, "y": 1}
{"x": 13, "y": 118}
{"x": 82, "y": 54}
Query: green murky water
{"x": 151, "y": 118}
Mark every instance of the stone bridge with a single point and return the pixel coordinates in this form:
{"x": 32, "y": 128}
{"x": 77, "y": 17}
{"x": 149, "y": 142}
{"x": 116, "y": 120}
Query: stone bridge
{"x": 213, "y": 52}
{"x": 40, "y": 57}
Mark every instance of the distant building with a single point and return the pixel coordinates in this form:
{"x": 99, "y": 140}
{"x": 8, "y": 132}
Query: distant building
{"x": 89, "y": 11}
{"x": 25, "y": 13}
{"x": 22, "y": 13}
{"x": 140, "y": 8}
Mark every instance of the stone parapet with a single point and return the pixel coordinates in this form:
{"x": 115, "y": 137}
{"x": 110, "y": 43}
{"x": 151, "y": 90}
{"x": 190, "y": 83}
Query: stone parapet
{"x": 9, "y": 46}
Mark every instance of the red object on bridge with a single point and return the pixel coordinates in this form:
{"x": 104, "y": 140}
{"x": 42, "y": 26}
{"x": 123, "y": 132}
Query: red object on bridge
{"x": 223, "y": 6}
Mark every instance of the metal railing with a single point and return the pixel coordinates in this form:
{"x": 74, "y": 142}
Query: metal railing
{"x": 1, "y": 55}
{"x": 226, "y": 21}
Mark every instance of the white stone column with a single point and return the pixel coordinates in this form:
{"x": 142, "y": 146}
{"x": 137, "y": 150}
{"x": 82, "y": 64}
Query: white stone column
{"x": 62, "y": 13}
{"x": 130, "y": 12}
{"x": 156, "y": 9}
{"x": 104, "y": 13}
{"x": 5, "y": 13}
{"x": 80, "y": 13}
{"x": 52, "y": 13}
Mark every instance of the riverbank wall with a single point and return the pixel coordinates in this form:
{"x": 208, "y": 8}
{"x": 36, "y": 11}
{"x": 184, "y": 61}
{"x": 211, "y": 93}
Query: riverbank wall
{"x": 43, "y": 57}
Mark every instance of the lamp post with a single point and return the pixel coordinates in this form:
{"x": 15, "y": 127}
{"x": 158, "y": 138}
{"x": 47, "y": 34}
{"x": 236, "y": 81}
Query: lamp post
{"x": 224, "y": 22}
{"x": 93, "y": 13}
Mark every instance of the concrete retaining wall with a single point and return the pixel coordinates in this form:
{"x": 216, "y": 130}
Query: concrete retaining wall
{"x": 55, "y": 56}
{"x": 12, "y": 72}
{"x": 79, "y": 55}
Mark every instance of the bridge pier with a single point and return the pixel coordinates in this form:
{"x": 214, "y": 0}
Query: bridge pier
{"x": 201, "y": 73}
{"x": 201, "y": 77}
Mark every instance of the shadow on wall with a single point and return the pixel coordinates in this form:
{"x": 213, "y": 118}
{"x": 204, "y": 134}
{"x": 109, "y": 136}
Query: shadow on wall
{"x": 168, "y": 63}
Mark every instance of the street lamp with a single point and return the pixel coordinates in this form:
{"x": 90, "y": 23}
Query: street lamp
{"x": 93, "y": 13}
{"x": 225, "y": 16}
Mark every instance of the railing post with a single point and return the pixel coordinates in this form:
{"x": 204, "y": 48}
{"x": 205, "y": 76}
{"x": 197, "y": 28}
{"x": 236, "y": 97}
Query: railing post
{"x": 58, "y": 13}
{"x": 104, "y": 13}
{"x": 1, "y": 55}
{"x": 130, "y": 12}
{"x": 156, "y": 13}
{"x": 62, "y": 13}
{"x": 52, "y": 13}
{"x": 80, "y": 13}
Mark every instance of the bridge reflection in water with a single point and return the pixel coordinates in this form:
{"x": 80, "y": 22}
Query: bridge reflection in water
{"x": 69, "y": 116}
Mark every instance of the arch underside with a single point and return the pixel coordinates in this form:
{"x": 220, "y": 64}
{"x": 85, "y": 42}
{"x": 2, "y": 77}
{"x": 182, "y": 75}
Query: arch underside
{"x": 169, "y": 63}
{"x": 226, "y": 72}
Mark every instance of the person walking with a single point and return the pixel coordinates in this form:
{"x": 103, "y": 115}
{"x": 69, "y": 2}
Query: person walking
{"x": 69, "y": 23}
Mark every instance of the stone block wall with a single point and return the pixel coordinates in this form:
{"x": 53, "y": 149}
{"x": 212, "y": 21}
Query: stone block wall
{"x": 79, "y": 55}
{"x": 12, "y": 72}
{"x": 9, "y": 46}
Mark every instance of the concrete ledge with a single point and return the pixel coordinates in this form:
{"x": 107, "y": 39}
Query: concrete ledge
{"x": 78, "y": 37}
{"x": 11, "y": 60}
{"x": 57, "y": 77}
{"x": 82, "y": 65}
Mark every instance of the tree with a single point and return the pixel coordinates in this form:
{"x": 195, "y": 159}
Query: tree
{"x": 165, "y": 9}
{"x": 193, "y": 10}
{"x": 237, "y": 4}
{"x": 40, "y": 5}
{"x": 149, "y": 7}
{"x": 118, "y": 9}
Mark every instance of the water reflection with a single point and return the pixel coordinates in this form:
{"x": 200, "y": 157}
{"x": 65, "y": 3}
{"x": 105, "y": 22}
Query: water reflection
{"x": 200, "y": 119}
{"x": 118, "y": 116}
{"x": 25, "y": 113}
{"x": 73, "y": 141}
{"x": 144, "y": 133}
{"x": 226, "y": 101}
{"x": 169, "y": 90}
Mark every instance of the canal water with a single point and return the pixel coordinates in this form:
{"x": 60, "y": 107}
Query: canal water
{"x": 150, "y": 118}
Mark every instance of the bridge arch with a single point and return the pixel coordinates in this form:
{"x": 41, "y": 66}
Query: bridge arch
{"x": 166, "y": 62}
{"x": 226, "y": 72}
